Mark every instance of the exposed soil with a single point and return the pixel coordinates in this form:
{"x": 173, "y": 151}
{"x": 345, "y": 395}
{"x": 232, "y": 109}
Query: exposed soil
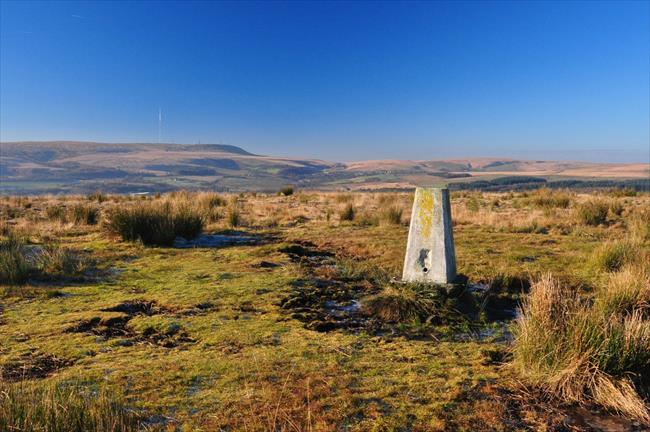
{"x": 117, "y": 326}
{"x": 266, "y": 265}
{"x": 106, "y": 327}
{"x": 323, "y": 304}
{"x": 138, "y": 307}
{"x": 324, "y": 301}
{"x": 489, "y": 407}
{"x": 32, "y": 366}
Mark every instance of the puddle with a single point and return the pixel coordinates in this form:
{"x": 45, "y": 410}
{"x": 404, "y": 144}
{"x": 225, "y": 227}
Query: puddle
{"x": 307, "y": 254}
{"x": 478, "y": 288}
{"x": 217, "y": 241}
{"x": 341, "y": 310}
{"x": 499, "y": 332}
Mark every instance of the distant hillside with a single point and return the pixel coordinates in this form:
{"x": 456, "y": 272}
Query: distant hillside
{"x": 82, "y": 167}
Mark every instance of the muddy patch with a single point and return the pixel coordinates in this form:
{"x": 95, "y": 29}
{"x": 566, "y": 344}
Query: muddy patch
{"x": 171, "y": 336}
{"x": 199, "y": 309}
{"x": 32, "y": 366}
{"x": 593, "y": 420}
{"x": 266, "y": 265}
{"x": 308, "y": 254}
{"x": 344, "y": 294}
{"x": 323, "y": 303}
{"x": 138, "y": 307}
{"x": 106, "y": 327}
{"x": 118, "y": 326}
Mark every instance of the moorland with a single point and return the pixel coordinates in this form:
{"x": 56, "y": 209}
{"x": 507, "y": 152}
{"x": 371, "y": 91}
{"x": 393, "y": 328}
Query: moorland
{"x": 54, "y": 167}
{"x": 220, "y": 311}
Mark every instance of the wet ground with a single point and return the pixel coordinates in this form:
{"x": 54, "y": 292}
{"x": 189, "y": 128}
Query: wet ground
{"x": 118, "y": 326}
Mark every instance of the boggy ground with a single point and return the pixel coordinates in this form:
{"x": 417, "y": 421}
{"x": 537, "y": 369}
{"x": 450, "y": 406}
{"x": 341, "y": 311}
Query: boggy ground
{"x": 272, "y": 334}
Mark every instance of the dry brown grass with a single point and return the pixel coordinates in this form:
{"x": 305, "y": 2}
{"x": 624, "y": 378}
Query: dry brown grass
{"x": 64, "y": 407}
{"x": 576, "y": 352}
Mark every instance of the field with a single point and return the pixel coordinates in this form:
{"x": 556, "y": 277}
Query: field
{"x": 284, "y": 314}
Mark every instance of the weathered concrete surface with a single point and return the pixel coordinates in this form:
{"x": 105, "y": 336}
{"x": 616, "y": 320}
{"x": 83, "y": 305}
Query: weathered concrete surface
{"x": 430, "y": 255}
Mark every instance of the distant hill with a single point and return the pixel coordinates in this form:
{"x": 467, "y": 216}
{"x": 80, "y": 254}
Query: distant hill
{"x": 80, "y": 167}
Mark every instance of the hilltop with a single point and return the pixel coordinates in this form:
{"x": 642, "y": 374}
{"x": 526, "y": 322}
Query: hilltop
{"x": 81, "y": 167}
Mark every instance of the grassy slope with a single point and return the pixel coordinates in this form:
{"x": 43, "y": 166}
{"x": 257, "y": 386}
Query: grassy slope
{"x": 251, "y": 366}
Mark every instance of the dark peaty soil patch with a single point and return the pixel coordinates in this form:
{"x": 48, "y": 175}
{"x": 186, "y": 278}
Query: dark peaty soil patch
{"x": 171, "y": 337}
{"x": 32, "y": 366}
{"x": 117, "y": 327}
{"x": 106, "y": 327}
{"x": 138, "y": 307}
{"x": 322, "y": 304}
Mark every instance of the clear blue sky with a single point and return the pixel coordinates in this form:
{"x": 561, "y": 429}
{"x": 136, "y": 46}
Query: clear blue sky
{"x": 338, "y": 81}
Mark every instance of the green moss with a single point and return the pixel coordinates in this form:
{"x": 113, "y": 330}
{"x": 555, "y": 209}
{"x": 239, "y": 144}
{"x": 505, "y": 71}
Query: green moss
{"x": 241, "y": 355}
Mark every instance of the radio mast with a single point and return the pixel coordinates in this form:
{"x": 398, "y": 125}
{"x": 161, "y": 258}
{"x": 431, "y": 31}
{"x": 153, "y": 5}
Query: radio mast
{"x": 159, "y": 123}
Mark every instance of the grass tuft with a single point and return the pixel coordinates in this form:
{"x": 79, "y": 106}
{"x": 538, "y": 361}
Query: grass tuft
{"x": 612, "y": 256}
{"x": 54, "y": 262}
{"x": 593, "y": 212}
{"x": 396, "y": 305}
{"x": 547, "y": 198}
{"x": 154, "y": 223}
{"x": 56, "y": 213}
{"x": 624, "y": 292}
{"x": 393, "y": 215}
{"x": 84, "y": 214}
{"x": 234, "y": 217}
{"x": 15, "y": 269}
{"x": 575, "y": 352}
{"x": 63, "y": 407}
{"x": 348, "y": 213}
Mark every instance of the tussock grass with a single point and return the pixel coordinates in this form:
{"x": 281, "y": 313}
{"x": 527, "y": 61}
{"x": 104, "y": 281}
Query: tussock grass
{"x": 56, "y": 213}
{"x": 15, "y": 269}
{"x": 615, "y": 208}
{"x": 234, "y": 217}
{"x": 54, "y": 262}
{"x": 348, "y": 213}
{"x": 18, "y": 263}
{"x": 622, "y": 192}
{"x": 624, "y": 292}
{"x": 367, "y": 219}
{"x": 393, "y": 215}
{"x": 84, "y": 214}
{"x": 344, "y": 198}
{"x": 155, "y": 223}
{"x": 401, "y": 304}
{"x": 547, "y": 198}
{"x": 639, "y": 225}
{"x": 473, "y": 204}
{"x": 97, "y": 196}
{"x": 575, "y": 351}
{"x": 613, "y": 255}
{"x": 210, "y": 200}
{"x": 63, "y": 408}
{"x": 593, "y": 212}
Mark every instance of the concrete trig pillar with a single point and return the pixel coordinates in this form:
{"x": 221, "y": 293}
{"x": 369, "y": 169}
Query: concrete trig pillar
{"x": 430, "y": 255}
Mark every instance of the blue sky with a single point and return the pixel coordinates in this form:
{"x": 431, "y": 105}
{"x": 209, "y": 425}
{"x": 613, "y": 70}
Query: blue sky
{"x": 338, "y": 81}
